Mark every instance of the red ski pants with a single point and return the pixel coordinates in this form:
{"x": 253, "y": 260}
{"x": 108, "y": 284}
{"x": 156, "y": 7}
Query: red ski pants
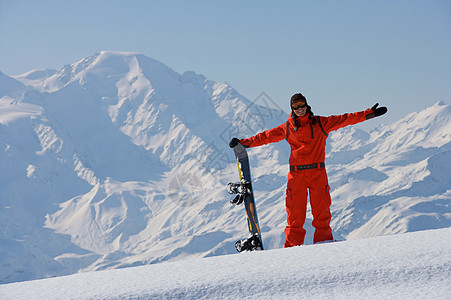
{"x": 300, "y": 184}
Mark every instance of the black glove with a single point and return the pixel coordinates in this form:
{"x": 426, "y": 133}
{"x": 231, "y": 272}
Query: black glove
{"x": 234, "y": 142}
{"x": 376, "y": 111}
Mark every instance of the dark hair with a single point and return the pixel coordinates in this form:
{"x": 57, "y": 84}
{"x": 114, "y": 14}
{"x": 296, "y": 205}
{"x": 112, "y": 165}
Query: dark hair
{"x": 299, "y": 97}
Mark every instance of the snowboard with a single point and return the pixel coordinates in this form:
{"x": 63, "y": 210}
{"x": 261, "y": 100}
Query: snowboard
{"x": 244, "y": 194}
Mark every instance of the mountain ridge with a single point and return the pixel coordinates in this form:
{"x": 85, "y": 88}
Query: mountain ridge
{"x": 117, "y": 160}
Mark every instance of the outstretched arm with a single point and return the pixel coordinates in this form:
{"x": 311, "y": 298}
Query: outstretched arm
{"x": 336, "y": 122}
{"x": 269, "y": 136}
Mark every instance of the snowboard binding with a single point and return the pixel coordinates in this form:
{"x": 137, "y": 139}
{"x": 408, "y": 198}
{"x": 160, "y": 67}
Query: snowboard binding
{"x": 241, "y": 188}
{"x": 251, "y": 244}
{"x": 237, "y": 200}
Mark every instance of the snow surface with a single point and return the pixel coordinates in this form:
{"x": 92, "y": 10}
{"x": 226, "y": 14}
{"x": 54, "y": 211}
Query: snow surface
{"x": 118, "y": 161}
{"x": 405, "y": 266}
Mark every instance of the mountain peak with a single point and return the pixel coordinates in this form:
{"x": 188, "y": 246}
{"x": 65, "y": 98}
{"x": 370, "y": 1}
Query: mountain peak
{"x": 10, "y": 87}
{"x": 109, "y": 137}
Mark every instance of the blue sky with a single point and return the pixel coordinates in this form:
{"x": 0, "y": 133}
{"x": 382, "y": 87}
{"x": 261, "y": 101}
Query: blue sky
{"x": 343, "y": 55}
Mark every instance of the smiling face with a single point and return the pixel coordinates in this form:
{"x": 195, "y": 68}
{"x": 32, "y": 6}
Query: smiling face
{"x": 299, "y": 108}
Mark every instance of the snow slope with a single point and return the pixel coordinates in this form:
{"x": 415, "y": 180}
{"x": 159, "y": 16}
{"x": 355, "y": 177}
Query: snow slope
{"x": 406, "y": 266}
{"x": 118, "y": 161}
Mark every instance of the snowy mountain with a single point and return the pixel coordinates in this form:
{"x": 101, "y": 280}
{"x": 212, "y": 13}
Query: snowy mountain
{"x": 403, "y": 169}
{"x": 119, "y": 161}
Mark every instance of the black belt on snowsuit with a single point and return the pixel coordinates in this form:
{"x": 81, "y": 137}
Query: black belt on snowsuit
{"x": 307, "y": 167}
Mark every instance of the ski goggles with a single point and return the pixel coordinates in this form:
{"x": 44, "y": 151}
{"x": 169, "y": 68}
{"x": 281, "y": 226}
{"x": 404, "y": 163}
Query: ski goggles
{"x": 299, "y": 106}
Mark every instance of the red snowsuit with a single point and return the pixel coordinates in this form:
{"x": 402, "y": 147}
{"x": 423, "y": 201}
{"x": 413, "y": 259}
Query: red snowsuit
{"x": 308, "y": 145}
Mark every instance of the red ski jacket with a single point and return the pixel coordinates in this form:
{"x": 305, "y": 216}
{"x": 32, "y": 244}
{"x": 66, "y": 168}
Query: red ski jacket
{"x": 308, "y": 141}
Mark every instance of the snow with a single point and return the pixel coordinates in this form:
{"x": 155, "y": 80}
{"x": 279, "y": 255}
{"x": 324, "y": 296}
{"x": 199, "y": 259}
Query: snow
{"x": 406, "y": 266}
{"x": 118, "y": 161}
{"x": 10, "y": 110}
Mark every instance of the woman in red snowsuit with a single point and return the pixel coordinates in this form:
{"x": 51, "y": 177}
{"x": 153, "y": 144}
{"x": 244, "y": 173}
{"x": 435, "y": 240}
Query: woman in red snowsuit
{"x": 307, "y": 136}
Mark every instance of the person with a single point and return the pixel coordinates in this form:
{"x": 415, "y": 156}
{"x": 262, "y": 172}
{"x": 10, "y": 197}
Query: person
{"x": 307, "y": 133}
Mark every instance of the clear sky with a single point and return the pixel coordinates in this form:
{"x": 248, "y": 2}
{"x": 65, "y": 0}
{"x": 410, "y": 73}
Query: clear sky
{"x": 343, "y": 55}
